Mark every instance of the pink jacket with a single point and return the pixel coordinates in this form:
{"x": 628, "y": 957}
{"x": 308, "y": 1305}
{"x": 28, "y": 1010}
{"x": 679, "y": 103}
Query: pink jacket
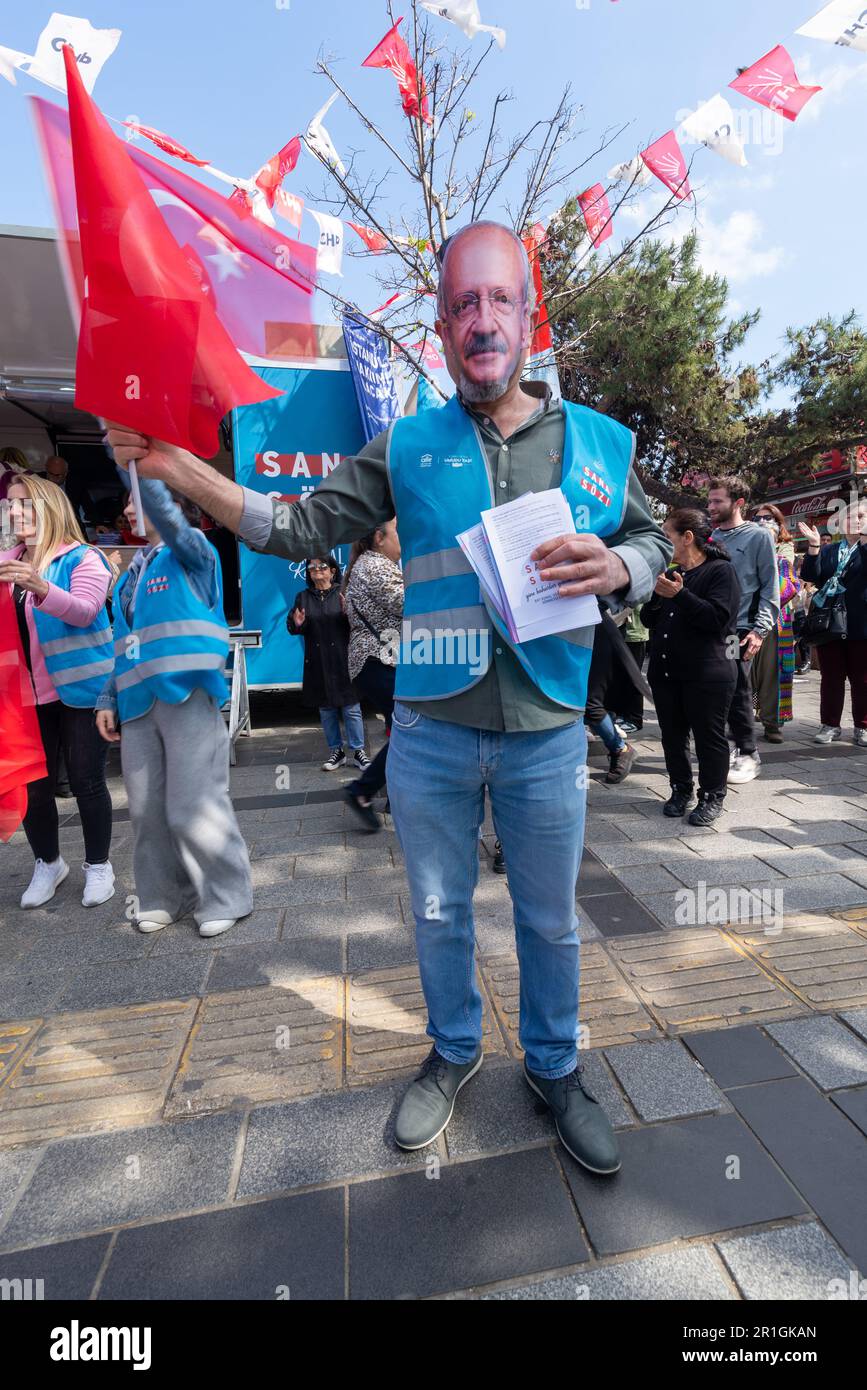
{"x": 77, "y": 606}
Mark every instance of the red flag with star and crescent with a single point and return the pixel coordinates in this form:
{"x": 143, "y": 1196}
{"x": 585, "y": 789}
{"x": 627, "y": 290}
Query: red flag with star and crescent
{"x": 172, "y": 282}
{"x": 393, "y": 53}
{"x": 22, "y": 756}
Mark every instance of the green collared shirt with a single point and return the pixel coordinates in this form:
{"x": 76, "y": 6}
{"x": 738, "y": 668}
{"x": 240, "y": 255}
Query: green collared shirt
{"x": 356, "y": 497}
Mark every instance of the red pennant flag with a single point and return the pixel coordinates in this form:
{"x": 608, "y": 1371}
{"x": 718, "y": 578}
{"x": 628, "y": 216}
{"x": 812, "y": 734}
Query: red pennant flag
{"x": 428, "y": 353}
{"x": 373, "y": 240}
{"x": 393, "y": 53}
{"x": 542, "y": 340}
{"x": 290, "y": 206}
{"x": 22, "y": 756}
{"x": 272, "y": 174}
{"x": 241, "y": 202}
{"x": 773, "y": 82}
{"x": 665, "y": 159}
{"x": 165, "y": 142}
{"x": 597, "y": 213}
{"x": 152, "y": 353}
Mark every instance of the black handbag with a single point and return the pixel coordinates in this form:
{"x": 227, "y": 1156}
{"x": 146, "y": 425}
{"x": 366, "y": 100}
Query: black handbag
{"x": 829, "y": 623}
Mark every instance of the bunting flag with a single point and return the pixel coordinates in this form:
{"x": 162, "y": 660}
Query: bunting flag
{"x": 428, "y": 353}
{"x": 10, "y": 59}
{"x": 165, "y": 142}
{"x": 329, "y": 256}
{"x": 597, "y": 214}
{"x": 318, "y": 139}
{"x": 290, "y": 207}
{"x": 842, "y": 22}
{"x": 541, "y": 340}
{"x": 465, "y": 14}
{"x": 773, "y": 82}
{"x": 372, "y": 375}
{"x": 713, "y": 125}
{"x": 373, "y": 240}
{"x": 22, "y": 756}
{"x": 92, "y": 48}
{"x": 393, "y": 53}
{"x": 664, "y": 158}
{"x": 632, "y": 171}
{"x": 272, "y": 174}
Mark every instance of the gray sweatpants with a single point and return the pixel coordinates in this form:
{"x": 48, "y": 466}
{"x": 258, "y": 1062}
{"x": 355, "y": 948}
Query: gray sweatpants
{"x": 188, "y": 853}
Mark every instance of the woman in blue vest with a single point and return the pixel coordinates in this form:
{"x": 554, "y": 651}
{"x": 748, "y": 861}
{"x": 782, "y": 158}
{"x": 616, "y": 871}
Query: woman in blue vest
{"x": 59, "y": 586}
{"x": 171, "y": 646}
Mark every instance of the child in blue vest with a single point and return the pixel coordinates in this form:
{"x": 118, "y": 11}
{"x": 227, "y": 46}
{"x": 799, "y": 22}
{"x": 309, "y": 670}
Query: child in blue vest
{"x": 171, "y": 646}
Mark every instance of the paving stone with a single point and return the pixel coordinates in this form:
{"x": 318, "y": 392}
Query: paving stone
{"x": 15, "y": 1166}
{"x": 386, "y": 1017}
{"x": 84, "y": 1185}
{"x": 824, "y": 1049}
{"x": 675, "y": 1183}
{"x": 372, "y": 857}
{"x": 317, "y": 888}
{"x": 689, "y": 1274}
{"x": 817, "y": 859}
{"x": 265, "y": 847}
{"x": 342, "y": 918}
{"x": 854, "y": 1105}
{"x": 31, "y": 986}
{"x": 828, "y": 832}
{"x": 646, "y": 878}
{"x": 695, "y": 978}
{"x": 106, "y": 1069}
{"x": 662, "y": 1081}
{"x": 14, "y": 1039}
{"x": 378, "y": 950}
{"x": 629, "y": 852}
{"x": 184, "y": 935}
{"x": 731, "y": 870}
{"x": 411, "y": 1237}
{"x": 499, "y": 1111}
{"x": 857, "y": 1020}
{"x": 64, "y": 1271}
{"x": 594, "y": 877}
{"x": 821, "y": 960}
{"x": 819, "y": 1150}
{"x": 608, "y": 1010}
{"x": 261, "y": 1044}
{"x": 642, "y": 829}
{"x": 792, "y": 1262}
{"x": 367, "y": 884}
{"x": 286, "y": 1249}
{"x": 819, "y": 892}
{"x": 177, "y": 976}
{"x": 620, "y": 914}
{"x": 276, "y": 963}
{"x": 738, "y": 1056}
{"x": 329, "y": 1138}
{"x": 733, "y": 845}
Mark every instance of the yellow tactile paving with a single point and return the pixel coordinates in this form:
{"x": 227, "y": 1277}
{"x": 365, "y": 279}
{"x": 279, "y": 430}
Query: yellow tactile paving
{"x": 821, "y": 959}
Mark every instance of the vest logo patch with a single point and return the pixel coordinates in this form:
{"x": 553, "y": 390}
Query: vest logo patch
{"x": 456, "y": 460}
{"x": 157, "y": 584}
{"x": 596, "y": 486}
{"x": 426, "y": 460}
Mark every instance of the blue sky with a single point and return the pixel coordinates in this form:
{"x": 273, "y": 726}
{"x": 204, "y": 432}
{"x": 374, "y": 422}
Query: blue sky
{"x": 234, "y": 81}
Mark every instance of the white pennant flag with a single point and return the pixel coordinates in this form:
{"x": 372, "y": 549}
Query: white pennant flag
{"x": 92, "y": 47}
{"x": 465, "y": 14}
{"x": 9, "y": 61}
{"x": 633, "y": 170}
{"x": 329, "y": 254}
{"x": 320, "y": 141}
{"x": 713, "y": 124}
{"x": 843, "y": 22}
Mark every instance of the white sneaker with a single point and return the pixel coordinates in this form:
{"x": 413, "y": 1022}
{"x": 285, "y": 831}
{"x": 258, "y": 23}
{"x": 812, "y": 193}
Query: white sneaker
{"x": 98, "y": 884}
{"x": 860, "y": 738}
{"x": 45, "y": 882}
{"x": 217, "y": 927}
{"x": 828, "y": 734}
{"x": 153, "y": 921}
{"x": 745, "y": 767}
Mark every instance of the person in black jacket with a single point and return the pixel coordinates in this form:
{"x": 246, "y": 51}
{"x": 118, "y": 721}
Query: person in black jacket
{"x": 318, "y": 615}
{"x": 692, "y": 672}
{"x": 847, "y": 658}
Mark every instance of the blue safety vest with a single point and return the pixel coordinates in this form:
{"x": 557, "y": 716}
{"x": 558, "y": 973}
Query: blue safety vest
{"x": 77, "y": 659}
{"x": 441, "y": 483}
{"x": 176, "y": 644}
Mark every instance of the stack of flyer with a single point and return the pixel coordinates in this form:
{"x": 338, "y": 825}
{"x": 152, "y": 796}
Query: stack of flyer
{"x": 499, "y": 550}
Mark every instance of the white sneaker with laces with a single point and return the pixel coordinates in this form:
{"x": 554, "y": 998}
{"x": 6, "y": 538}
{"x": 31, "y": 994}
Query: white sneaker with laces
{"x": 860, "y": 738}
{"x": 745, "y": 767}
{"x": 153, "y": 921}
{"x": 828, "y": 734}
{"x": 45, "y": 882}
{"x": 217, "y": 927}
{"x": 98, "y": 884}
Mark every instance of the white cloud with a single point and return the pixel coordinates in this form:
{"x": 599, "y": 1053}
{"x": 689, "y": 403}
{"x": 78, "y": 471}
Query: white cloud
{"x": 737, "y": 248}
{"x": 835, "y": 80}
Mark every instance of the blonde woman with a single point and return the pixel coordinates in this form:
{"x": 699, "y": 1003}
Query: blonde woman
{"x": 59, "y": 586}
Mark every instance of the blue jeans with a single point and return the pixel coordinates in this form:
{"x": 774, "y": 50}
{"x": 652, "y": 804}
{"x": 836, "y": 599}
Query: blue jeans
{"x": 610, "y": 737}
{"x": 352, "y": 723}
{"x": 437, "y": 774}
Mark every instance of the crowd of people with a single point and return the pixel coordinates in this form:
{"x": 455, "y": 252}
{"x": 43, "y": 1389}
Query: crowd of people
{"x": 710, "y": 597}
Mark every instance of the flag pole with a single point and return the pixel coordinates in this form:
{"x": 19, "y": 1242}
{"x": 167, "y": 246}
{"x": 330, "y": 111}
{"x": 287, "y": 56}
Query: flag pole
{"x": 135, "y": 493}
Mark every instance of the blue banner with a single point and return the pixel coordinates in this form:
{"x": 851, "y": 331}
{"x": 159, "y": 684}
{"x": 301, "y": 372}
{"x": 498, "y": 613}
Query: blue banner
{"x": 372, "y": 375}
{"x": 284, "y": 448}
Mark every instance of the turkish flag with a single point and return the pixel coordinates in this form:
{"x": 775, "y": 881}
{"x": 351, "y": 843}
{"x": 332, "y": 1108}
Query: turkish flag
{"x": 165, "y": 142}
{"x": 597, "y": 213}
{"x": 272, "y": 174}
{"x": 773, "y": 82}
{"x": 393, "y": 53}
{"x": 542, "y": 340}
{"x": 22, "y": 756}
{"x": 665, "y": 159}
{"x": 373, "y": 240}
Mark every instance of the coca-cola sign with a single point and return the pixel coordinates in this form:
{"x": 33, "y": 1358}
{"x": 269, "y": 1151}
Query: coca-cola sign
{"x": 809, "y": 506}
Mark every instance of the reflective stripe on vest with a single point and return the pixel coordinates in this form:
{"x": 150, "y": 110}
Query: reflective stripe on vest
{"x": 78, "y": 659}
{"x": 441, "y": 482}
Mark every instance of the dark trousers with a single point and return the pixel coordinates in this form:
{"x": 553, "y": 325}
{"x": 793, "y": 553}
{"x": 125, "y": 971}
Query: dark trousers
{"x": 628, "y": 700}
{"x": 837, "y": 661}
{"x": 698, "y": 708}
{"x": 741, "y": 714}
{"x": 74, "y": 731}
{"x": 375, "y": 682}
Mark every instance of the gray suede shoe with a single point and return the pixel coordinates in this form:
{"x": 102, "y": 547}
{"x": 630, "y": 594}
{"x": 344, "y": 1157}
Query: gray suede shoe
{"x": 584, "y": 1128}
{"x": 428, "y": 1104}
